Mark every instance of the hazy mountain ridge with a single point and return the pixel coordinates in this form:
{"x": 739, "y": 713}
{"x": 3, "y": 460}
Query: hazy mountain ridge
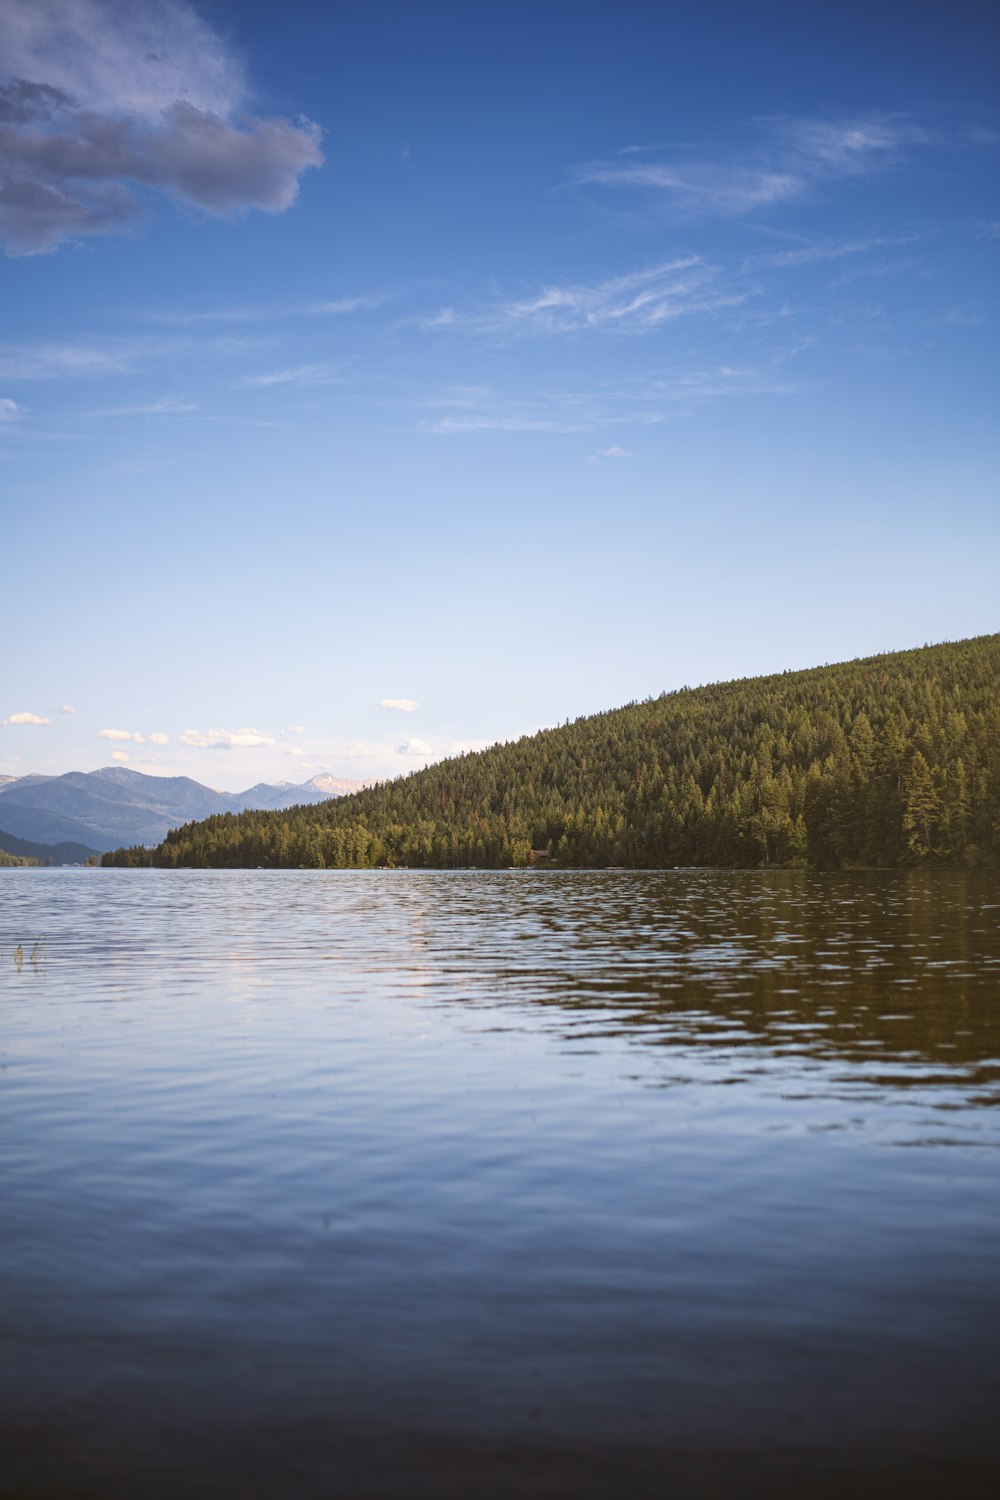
{"x": 101, "y": 809}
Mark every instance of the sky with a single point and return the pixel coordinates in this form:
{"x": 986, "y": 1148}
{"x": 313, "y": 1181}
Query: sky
{"x": 381, "y": 380}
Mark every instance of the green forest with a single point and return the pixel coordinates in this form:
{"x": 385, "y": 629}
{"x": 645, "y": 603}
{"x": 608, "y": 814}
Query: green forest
{"x": 893, "y": 760}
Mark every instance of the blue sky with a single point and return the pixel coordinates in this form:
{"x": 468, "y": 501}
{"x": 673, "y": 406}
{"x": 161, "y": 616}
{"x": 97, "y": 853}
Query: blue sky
{"x": 379, "y": 380}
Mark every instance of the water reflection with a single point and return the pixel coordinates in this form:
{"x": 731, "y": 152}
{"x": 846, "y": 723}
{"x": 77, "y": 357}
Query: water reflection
{"x": 868, "y": 968}
{"x": 547, "y": 1183}
{"x": 872, "y": 968}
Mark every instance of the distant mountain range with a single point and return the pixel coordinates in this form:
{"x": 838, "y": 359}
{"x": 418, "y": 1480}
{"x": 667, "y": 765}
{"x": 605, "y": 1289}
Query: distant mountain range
{"x": 104, "y": 809}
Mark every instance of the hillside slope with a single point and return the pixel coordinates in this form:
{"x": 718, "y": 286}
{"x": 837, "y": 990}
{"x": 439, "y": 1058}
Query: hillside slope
{"x": 46, "y": 854}
{"x": 886, "y": 761}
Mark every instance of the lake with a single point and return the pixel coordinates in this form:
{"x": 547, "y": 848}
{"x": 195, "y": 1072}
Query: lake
{"x": 531, "y": 1183}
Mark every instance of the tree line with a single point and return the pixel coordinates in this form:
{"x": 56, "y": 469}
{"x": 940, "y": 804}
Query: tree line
{"x": 19, "y": 861}
{"x": 887, "y": 761}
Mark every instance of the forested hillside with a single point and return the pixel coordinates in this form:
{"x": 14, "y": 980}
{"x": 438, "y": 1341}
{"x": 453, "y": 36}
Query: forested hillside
{"x": 888, "y": 761}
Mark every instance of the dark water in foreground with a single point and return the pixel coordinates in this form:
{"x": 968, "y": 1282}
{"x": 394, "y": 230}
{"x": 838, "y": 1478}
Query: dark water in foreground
{"x": 496, "y": 1184}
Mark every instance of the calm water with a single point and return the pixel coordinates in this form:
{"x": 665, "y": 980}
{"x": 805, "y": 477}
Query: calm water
{"x": 495, "y": 1184}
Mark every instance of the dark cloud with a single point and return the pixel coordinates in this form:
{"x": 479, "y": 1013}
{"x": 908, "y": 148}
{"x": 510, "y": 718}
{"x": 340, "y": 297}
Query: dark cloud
{"x": 21, "y": 101}
{"x": 224, "y": 168}
{"x": 37, "y": 216}
{"x": 70, "y": 167}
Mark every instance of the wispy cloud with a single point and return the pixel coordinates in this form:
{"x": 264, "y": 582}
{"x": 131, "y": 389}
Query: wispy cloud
{"x": 639, "y": 299}
{"x": 183, "y": 317}
{"x": 788, "y": 158}
{"x": 445, "y": 317}
{"x": 48, "y": 361}
{"x": 45, "y": 360}
{"x": 225, "y": 739}
{"x": 492, "y": 423}
{"x": 27, "y": 718}
{"x": 9, "y": 410}
{"x": 158, "y": 739}
{"x": 67, "y": 709}
{"x": 823, "y": 250}
{"x": 633, "y": 302}
{"x": 850, "y": 145}
{"x": 166, "y": 407}
{"x": 294, "y": 375}
{"x": 889, "y": 267}
{"x": 341, "y": 306}
{"x": 101, "y": 96}
{"x": 192, "y": 317}
{"x": 700, "y": 188}
{"x": 403, "y": 705}
{"x": 713, "y": 382}
{"x": 633, "y": 401}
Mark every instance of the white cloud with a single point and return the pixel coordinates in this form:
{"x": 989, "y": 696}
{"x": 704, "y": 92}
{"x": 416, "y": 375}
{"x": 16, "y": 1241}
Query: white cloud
{"x": 404, "y": 705}
{"x": 158, "y": 739}
{"x": 224, "y": 739}
{"x": 613, "y": 452}
{"x": 414, "y": 746}
{"x": 26, "y": 718}
{"x": 9, "y": 410}
{"x": 102, "y": 95}
{"x": 297, "y": 729}
{"x": 121, "y": 734}
{"x": 296, "y": 750}
{"x": 119, "y": 755}
{"x": 67, "y": 709}
{"x": 140, "y": 56}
